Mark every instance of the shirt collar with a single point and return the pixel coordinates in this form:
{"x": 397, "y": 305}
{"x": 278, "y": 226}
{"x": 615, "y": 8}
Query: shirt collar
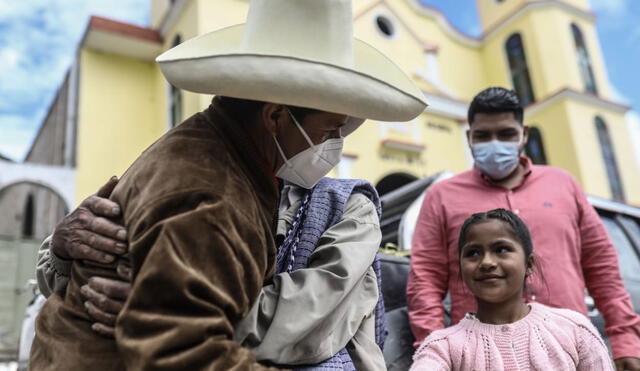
{"x": 290, "y": 194}
{"x": 524, "y": 161}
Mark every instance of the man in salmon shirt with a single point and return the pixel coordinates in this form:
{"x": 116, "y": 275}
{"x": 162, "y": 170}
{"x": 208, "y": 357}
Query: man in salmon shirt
{"x": 572, "y": 245}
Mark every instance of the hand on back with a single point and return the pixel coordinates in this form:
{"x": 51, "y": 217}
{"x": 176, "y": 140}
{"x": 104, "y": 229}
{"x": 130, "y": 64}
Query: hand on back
{"x": 90, "y": 233}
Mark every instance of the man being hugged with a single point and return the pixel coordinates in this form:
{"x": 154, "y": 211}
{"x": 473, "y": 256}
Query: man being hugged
{"x": 199, "y": 205}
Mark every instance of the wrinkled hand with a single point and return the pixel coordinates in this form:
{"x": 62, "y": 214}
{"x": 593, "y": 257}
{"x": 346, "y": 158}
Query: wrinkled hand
{"x": 105, "y": 299}
{"x": 87, "y": 234}
{"x": 627, "y": 364}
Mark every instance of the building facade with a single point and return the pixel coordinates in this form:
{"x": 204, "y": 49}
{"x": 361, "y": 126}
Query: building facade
{"x": 546, "y": 50}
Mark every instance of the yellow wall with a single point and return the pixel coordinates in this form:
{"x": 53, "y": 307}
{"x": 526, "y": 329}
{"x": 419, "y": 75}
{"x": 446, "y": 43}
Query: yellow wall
{"x": 493, "y": 12}
{"x": 460, "y": 64}
{"x": 465, "y": 66}
{"x": 118, "y": 116}
{"x": 557, "y": 135}
{"x": 595, "y": 182}
{"x": 550, "y": 51}
{"x": 444, "y": 148}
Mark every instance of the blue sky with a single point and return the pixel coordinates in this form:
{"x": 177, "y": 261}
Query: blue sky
{"x": 38, "y": 39}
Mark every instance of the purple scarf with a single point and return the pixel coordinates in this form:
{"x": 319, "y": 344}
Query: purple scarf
{"x": 321, "y": 208}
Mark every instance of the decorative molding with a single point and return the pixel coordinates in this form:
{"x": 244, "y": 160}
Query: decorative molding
{"x": 446, "y": 106}
{"x": 504, "y": 22}
{"x": 402, "y": 145}
{"x": 421, "y": 73}
{"x": 568, "y": 93}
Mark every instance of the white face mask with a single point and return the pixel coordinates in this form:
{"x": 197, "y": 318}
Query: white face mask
{"x": 309, "y": 166}
{"x": 496, "y": 159}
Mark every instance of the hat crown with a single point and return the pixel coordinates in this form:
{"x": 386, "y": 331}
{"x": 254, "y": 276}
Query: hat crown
{"x": 317, "y": 30}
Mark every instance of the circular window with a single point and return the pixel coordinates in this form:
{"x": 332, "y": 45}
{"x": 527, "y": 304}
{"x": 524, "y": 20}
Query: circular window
{"x": 384, "y": 25}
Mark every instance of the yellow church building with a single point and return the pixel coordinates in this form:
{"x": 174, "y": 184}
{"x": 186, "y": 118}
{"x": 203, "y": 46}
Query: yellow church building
{"x": 115, "y": 102}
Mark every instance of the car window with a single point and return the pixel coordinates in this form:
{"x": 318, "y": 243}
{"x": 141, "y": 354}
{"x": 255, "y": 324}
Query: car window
{"x": 628, "y": 259}
{"x": 632, "y": 227}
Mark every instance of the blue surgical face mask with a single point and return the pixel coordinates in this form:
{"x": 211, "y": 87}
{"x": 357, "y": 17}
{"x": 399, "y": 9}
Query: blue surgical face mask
{"x": 496, "y": 159}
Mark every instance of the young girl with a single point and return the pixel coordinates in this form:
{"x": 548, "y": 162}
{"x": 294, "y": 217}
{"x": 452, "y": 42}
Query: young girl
{"x": 495, "y": 252}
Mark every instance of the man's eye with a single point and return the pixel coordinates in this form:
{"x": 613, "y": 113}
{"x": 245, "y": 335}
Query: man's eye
{"x": 508, "y": 135}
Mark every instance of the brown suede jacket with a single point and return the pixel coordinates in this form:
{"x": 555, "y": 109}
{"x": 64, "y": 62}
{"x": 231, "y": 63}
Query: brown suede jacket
{"x": 200, "y": 209}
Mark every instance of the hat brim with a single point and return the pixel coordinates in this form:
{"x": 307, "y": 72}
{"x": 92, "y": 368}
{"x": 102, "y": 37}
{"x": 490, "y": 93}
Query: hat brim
{"x": 375, "y": 88}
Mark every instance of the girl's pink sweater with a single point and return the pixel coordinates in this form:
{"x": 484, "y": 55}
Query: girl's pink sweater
{"x": 545, "y": 339}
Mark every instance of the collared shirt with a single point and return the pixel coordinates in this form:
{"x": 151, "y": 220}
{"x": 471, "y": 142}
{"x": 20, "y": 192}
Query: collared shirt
{"x": 570, "y": 242}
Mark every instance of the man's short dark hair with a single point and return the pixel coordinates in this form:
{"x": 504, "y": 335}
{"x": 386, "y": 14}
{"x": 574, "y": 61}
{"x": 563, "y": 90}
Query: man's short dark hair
{"x": 495, "y": 100}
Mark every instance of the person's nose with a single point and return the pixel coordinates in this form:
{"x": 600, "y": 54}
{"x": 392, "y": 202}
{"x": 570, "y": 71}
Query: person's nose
{"x": 336, "y": 134}
{"x": 488, "y": 262}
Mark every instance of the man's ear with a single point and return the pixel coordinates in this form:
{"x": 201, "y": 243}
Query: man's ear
{"x": 273, "y": 117}
{"x": 525, "y": 134}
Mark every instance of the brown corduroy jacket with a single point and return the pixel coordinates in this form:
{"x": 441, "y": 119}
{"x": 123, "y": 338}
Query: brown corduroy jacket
{"x": 200, "y": 210}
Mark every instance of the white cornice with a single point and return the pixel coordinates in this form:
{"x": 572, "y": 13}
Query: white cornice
{"x": 110, "y": 42}
{"x": 445, "y": 106}
{"x": 534, "y": 6}
{"x": 403, "y": 146}
{"x": 576, "y": 96}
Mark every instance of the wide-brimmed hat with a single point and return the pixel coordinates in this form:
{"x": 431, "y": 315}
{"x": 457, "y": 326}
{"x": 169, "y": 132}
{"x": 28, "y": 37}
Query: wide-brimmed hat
{"x": 300, "y": 53}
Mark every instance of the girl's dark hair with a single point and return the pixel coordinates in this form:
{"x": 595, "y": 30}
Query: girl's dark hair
{"x": 518, "y": 228}
{"x": 246, "y": 110}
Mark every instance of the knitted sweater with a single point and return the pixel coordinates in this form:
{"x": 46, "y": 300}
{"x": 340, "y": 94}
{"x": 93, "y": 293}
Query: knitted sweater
{"x": 545, "y": 339}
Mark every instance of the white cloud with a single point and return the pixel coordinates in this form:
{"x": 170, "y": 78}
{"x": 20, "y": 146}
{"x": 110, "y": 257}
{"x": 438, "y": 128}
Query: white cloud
{"x": 39, "y": 40}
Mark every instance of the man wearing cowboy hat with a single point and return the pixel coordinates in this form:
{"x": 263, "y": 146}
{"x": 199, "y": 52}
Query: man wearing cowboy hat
{"x": 199, "y": 204}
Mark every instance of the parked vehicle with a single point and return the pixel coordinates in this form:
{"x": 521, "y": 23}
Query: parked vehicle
{"x": 400, "y": 210}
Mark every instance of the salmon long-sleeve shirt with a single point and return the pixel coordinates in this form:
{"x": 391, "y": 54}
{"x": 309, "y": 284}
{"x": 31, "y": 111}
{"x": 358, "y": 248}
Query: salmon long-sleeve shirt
{"x": 571, "y": 245}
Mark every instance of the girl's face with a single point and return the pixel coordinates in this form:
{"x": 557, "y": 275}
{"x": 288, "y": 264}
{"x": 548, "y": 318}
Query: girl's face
{"x": 492, "y": 262}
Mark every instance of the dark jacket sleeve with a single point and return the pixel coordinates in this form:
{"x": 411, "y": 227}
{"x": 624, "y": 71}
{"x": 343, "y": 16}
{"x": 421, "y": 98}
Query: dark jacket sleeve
{"x": 195, "y": 275}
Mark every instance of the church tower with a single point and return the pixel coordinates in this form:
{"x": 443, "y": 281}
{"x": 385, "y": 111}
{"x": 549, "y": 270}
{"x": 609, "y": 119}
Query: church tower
{"x": 548, "y": 52}
{"x": 548, "y": 45}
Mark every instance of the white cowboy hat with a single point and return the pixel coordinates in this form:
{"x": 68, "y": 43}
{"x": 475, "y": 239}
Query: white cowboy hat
{"x": 300, "y": 53}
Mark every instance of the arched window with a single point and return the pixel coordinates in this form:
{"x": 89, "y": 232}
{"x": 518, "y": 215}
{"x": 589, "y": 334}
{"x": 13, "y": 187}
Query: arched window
{"x": 519, "y": 69}
{"x": 28, "y": 218}
{"x": 609, "y": 158}
{"x": 535, "y": 147}
{"x": 175, "y": 98}
{"x": 584, "y": 63}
